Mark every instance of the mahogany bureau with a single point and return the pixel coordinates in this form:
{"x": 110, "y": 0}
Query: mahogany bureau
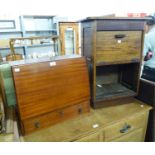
{"x": 50, "y": 91}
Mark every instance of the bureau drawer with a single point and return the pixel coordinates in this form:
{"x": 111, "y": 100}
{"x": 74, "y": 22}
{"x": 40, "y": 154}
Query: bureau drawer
{"x": 118, "y": 46}
{"x": 41, "y": 121}
{"x": 124, "y": 127}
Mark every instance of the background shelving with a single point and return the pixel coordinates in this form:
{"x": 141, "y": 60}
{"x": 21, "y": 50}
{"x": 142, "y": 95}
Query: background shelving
{"x": 27, "y": 26}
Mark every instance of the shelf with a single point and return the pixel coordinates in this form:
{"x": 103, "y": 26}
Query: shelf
{"x": 10, "y": 31}
{"x": 38, "y": 16}
{"x": 35, "y": 30}
{"x": 3, "y": 48}
{"x": 41, "y": 45}
{"x": 53, "y": 30}
{"x": 111, "y": 91}
{"x": 118, "y": 62}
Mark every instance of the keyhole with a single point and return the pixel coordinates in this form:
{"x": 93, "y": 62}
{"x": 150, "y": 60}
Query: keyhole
{"x": 61, "y": 113}
{"x": 80, "y": 110}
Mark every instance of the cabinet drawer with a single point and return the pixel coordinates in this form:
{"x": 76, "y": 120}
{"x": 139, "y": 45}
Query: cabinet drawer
{"x": 118, "y": 46}
{"x": 41, "y": 121}
{"x": 96, "y": 137}
{"x": 135, "y": 136}
{"x": 123, "y": 127}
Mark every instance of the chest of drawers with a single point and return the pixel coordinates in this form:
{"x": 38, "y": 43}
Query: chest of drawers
{"x": 126, "y": 122}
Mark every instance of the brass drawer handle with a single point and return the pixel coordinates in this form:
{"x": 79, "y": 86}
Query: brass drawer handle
{"x": 125, "y": 128}
{"x": 80, "y": 110}
{"x": 119, "y": 36}
{"x": 37, "y": 125}
{"x": 61, "y": 113}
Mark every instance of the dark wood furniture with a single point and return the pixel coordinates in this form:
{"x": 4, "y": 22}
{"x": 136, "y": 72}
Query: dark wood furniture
{"x": 113, "y": 49}
{"x": 120, "y": 123}
{"x": 147, "y": 95}
{"x": 48, "y": 92}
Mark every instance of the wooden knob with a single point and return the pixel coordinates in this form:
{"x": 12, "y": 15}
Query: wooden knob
{"x": 80, "y": 110}
{"x": 61, "y": 113}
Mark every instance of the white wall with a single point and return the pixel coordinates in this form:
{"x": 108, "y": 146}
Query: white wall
{"x": 74, "y": 9}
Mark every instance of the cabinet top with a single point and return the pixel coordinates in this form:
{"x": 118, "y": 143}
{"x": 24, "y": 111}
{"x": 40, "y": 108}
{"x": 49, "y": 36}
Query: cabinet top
{"x": 113, "y": 23}
{"x": 115, "y": 18}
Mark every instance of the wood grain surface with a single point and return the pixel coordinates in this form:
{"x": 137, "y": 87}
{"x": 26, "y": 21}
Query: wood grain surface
{"x": 51, "y": 118}
{"x": 113, "y": 41}
{"x": 41, "y": 88}
{"x": 46, "y": 92}
{"x": 111, "y": 49}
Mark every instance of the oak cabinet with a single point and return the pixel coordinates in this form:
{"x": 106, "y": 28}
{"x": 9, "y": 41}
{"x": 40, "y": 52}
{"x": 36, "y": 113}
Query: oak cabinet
{"x": 113, "y": 49}
{"x": 50, "y": 91}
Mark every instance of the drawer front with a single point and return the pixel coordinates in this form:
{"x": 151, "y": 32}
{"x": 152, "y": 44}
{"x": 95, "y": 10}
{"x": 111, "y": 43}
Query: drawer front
{"x": 124, "y": 127}
{"x": 135, "y": 136}
{"x": 36, "y": 123}
{"x": 118, "y": 46}
{"x": 96, "y": 137}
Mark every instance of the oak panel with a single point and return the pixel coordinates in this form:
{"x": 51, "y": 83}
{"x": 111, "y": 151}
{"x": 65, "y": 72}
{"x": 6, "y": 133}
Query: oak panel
{"x": 109, "y": 48}
{"x": 119, "y": 129}
{"x": 135, "y": 136}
